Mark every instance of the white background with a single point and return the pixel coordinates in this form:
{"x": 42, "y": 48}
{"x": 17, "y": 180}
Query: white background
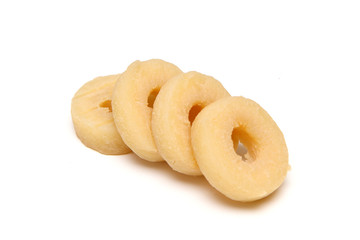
{"x": 300, "y": 60}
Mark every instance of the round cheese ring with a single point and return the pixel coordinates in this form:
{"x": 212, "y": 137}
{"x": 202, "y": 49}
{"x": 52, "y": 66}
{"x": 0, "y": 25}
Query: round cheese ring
{"x": 132, "y": 103}
{"x": 261, "y": 170}
{"x": 175, "y": 108}
{"x": 92, "y": 116}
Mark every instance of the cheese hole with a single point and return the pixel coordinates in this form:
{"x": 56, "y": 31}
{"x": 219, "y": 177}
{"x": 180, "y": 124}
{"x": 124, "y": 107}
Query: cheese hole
{"x": 237, "y": 136}
{"x": 152, "y": 97}
{"x": 106, "y": 104}
{"x": 194, "y": 111}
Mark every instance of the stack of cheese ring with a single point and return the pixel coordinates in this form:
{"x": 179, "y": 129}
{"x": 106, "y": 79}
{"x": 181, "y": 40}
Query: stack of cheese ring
{"x": 187, "y": 119}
